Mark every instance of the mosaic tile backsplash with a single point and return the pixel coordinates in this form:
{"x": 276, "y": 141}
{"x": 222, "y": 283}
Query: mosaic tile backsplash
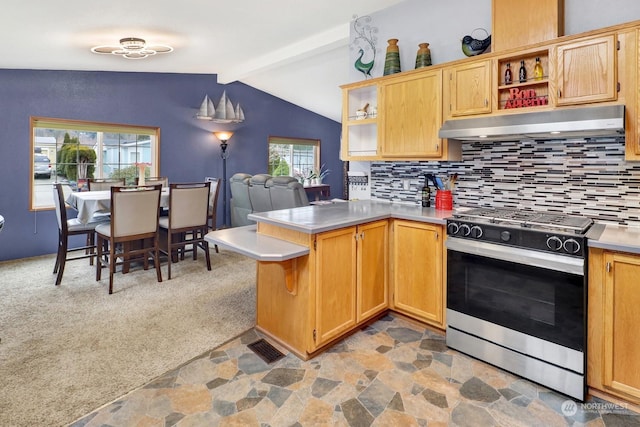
{"x": 582, "y": 177}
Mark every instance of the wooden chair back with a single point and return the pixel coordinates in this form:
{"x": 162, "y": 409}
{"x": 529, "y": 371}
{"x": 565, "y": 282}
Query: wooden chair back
{"x": 154, "y": 180}
{"x": 135, "y": 211}
{"x": 188, "y": 205}
{"x": 102, "y": 184}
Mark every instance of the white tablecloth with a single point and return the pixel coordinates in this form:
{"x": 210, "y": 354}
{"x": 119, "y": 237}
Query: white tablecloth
{"x": 88, "y": 203}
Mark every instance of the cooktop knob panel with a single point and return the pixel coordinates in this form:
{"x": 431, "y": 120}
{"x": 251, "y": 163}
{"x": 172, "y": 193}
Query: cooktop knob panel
{"x": 453, "y": 228}
{"x": 554, "y": 243}
{"x": 571, "y": 246}
{"x": 476, "y": 232}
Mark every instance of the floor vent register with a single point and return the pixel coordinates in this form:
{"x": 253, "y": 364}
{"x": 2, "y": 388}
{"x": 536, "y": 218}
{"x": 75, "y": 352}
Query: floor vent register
{"x": 265, "y": 351}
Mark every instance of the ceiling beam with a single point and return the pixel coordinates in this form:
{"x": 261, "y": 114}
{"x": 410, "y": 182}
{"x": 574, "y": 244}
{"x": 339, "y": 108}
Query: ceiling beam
{"x": 316, "y": 44}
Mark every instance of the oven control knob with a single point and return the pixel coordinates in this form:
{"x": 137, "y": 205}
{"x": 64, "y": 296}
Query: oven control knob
{"x": 505, "y": 236}
{"x": 571, "y": 246}
{"x": 554, "y": 243}
{"x": 476, "y": 232}
{"x": 465, "y": 230}
{"x": 453, "y": 228}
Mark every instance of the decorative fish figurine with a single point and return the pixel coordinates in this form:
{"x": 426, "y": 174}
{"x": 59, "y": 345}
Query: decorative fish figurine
{"x": 473, "y": 47}
{"x": 364, "y": 67}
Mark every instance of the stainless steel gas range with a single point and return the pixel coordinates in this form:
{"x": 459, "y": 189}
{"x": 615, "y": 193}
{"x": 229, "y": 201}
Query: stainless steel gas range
{"x": 516, "y": 293}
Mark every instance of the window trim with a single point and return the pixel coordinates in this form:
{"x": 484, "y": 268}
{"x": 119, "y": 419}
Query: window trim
{"x": 313, "y": 142}
{"x": 85, "y": 125}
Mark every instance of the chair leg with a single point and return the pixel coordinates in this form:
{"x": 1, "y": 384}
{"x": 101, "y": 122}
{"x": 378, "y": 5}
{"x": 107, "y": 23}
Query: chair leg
{"x": 99, "y": 259}
{"x": 62, "y": 259}
{"x": 217, "y": 251}
{"x": 156, "y": 259}
{"x": 207, "y": 256}
{"x": 90, "y": 242}
{"x": 112, "y": 265}
{"x": 169, "y": 254}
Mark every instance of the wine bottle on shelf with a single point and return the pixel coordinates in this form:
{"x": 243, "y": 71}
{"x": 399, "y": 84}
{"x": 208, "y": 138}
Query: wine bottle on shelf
{"x": 522, "y": 74}
{"x": 537, "y": 70}
{"x": 508, "y": 78}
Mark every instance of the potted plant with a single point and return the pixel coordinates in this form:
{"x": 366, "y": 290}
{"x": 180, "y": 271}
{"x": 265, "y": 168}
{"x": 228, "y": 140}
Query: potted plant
{"x": 320, "y": 174}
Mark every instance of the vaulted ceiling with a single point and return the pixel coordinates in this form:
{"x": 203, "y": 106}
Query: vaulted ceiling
{"x": 294, "y": 49}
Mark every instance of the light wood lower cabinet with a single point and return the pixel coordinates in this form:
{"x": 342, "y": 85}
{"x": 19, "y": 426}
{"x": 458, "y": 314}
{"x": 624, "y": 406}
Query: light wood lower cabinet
{"x": 418, "y": 260}
{"x": 613, "y": 343}
{"x": 351, "y": 278}
{"x": 341, "y": 284}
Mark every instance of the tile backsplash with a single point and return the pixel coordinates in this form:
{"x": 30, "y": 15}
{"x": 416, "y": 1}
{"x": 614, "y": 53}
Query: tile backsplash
{"x": 579, "y": 176}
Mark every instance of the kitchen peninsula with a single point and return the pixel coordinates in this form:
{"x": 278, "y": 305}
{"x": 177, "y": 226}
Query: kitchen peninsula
{"x": 324, "y": 271}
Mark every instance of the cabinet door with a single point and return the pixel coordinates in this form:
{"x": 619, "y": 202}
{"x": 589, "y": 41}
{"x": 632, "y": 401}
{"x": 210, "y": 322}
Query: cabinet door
{"x": 587, "y": 71}
{"x": 372, "y": 293}
{"x": 468, "y": 89}
{"x": 335, "y": 280}
{"x": 417, "y": 271}
{"x": 621, "y": 319}
{"x": 412, "y": 115}
{"x": 359, "y": 122}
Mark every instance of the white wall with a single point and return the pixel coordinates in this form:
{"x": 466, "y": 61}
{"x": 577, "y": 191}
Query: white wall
{"x": 442, "y": 24}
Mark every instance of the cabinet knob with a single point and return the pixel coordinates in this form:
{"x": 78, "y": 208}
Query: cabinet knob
{"x": 608, "y": 267}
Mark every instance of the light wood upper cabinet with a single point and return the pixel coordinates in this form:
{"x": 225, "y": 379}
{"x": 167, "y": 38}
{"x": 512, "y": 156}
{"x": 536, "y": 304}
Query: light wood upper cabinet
{"x": 613, "y": 346}
{"x": 467, "y": 89}
{"x": 417, "y": 272}
{"x": 587, "y": 71}
{"x": 359, "y": 131}
{"x": 411, "y": 116}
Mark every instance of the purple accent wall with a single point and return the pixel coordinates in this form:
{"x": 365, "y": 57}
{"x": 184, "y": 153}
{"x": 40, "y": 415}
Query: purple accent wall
{"x": 188, "y": 150}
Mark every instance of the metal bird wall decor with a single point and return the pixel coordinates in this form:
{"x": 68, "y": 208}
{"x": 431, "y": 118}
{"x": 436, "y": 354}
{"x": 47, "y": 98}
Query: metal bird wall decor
{"x": 472, "y": 46}
{"x": 364, "y": 42}
{"x": 364, "y": 67}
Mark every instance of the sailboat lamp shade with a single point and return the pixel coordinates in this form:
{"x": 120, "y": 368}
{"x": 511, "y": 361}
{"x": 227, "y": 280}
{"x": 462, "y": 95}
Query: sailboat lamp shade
{"x": 223, "y": 113}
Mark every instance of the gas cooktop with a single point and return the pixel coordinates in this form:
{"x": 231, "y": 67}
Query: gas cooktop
{"x": 527, "y": 219}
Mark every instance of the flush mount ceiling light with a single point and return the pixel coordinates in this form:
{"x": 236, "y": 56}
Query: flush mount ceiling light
{"x": 132, "y": 48}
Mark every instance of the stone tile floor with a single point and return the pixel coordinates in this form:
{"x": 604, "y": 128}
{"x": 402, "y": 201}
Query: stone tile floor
{"x": 392, "y": 373}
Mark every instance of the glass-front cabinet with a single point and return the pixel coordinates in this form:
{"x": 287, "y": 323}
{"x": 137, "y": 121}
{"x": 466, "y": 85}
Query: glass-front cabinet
{"x": 360, "y": 122}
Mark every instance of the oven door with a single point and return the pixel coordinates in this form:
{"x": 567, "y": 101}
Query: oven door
{"x": 535, "y": 293}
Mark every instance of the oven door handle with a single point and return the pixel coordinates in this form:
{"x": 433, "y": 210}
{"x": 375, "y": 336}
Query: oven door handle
{"x": 529, "y": 257}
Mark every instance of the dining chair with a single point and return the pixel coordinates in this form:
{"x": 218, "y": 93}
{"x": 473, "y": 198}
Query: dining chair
{"x": 72, "y": 227}
{"x": 102, "y": 184}
{"x": 154, "y": 180}
{"x": 214, "y": 190}
{"x": 187, "y": 223}
{"x": 132, "y": 232}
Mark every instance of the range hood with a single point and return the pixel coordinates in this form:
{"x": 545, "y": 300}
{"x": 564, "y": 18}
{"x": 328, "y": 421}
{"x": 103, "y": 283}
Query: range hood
{"x": 585, "y": 122}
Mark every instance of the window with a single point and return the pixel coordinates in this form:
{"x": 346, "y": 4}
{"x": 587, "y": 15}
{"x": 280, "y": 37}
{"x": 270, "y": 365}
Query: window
{"x": 71, "y": 152}
{"x": 293, "y": 157}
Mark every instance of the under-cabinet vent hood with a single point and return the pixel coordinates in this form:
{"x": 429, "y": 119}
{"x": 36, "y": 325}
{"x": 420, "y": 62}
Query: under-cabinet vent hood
{"x": 586, "y": 122}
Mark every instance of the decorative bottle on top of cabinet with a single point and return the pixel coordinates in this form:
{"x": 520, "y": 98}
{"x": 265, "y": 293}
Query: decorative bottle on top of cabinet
{"x": 392, "y": 59}
{"x": 423, "y": 57}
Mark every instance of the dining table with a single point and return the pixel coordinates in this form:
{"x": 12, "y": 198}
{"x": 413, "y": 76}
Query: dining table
{"x": 90, "y": 203}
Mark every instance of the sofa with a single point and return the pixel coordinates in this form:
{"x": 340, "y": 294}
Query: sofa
{"x": 261, "y": 193}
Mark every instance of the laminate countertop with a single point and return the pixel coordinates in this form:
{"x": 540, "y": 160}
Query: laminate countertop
{"x": 618, "y": 238}
{"x": 320, "y": 218}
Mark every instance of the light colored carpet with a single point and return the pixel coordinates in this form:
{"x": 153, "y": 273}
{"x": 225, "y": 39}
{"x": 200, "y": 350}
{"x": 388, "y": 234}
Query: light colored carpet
{"x": 67, "y": 350}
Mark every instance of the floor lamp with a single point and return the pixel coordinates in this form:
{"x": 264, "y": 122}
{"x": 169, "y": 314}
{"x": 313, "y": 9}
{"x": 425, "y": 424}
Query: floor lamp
{"x": 224, "y": 137}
